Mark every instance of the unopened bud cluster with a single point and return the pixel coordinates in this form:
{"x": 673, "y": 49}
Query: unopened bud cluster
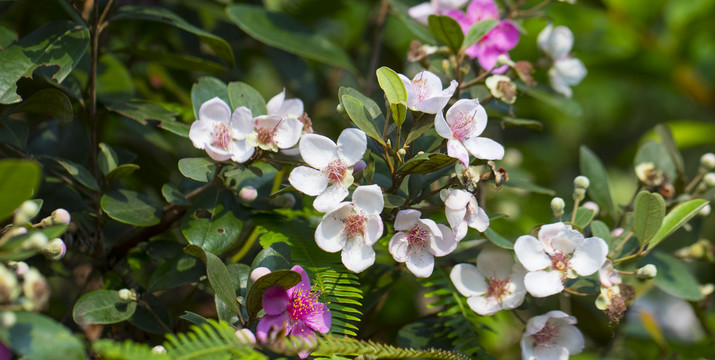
{"x": 580, "y": 184}
{"x": 707, "y": 161}
{"x": 25, "y": 286}
{"x": 557, "y": 206}
{"x": 647, "y": 272}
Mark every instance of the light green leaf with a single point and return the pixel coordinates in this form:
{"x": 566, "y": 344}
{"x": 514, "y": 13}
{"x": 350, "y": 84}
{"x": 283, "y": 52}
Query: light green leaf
{"x": 130, "y": 207}
{"x": 477, "y": 31}
{"x": 79, "y": 172}
{"x": 527, "y": 123}
{"x": 218, "y": 276}
{"x": 107, "y": 159}
{"x": 673, "y": 276}
{"x": 142, "y": 111}
{"x": 498, "y": 240}
{"x": 360, "y": 115}
{"x": 206, "y": 89}
{"x": 447, "y": 31}
{"x": 254, "y": 301}
{"x": 648, "y": 214}
{"x": 599, "y": 229}
{"x": 668, "y": 140}
{"x": 122, "y": 171}
{"x": 212, "y": 222}
{"x": 38, "y": 337}
{"x": 592, "y": 168}
{"x": 676, "y": 218}
{"x": 395, "y": 92}
{"x": 281, "y": 31}
{"x": 584, "y": 217}
{"x": 176, "y": 128}
{"x": 59, "y": 45}
{"x": 242, "y": 94}
{"x": 199, "y": 169}
{"x": 19, "y": 180}
{"x": 102, "y": 307}
{"x": 165, "y": 16}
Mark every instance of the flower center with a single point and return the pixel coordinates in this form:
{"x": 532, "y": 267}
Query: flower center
{"x": 463, "y": 125}
{"x": 302, "y": 305}
{"x": 354, "y": 225}
{"x": 547, "y": 334}
{"x": 560, "y": 262}
{"x": 221, "y": 136}
{"x": 421, "y": 88}
{"x": 265, "y": 135}
{"x": 336, "y": 171}
{"x": 416, "y": 238}
{"x": 497, "y": 288}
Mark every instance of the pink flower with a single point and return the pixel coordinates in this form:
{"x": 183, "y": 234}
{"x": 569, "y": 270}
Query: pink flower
{"x": 498, "y": 41}
{"x": 551, "y": 336}
{"x": 294, "y": 311}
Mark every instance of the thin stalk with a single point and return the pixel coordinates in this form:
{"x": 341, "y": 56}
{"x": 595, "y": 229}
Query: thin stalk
{"x": 620, "y": 245}
{"x": 575, "y": 210}
{"x": 694, "y": 182}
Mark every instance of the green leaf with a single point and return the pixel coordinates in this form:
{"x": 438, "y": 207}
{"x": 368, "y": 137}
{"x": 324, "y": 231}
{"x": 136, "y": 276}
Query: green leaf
{"x": 176, "y": 128}
{"x": 498, "y": 240}
{"x": 102, "y": 307}
{"x": 527, "y": 123}
{"x": 199, "y": 169}
{"x": 107, "y": 159}
{"x": 194, "y": 318}
{"x": 206, "y": 89}
{"x": 657, "y": 154}
{"x": 165, "y": 16}
{"x": 180, "y": 270}
{"x": 648, "y": 214}
{"x": 395, "y": 92}
{"x": 142, "y": 111}
{"x": 584, "y": 217}
{"x": 676, "y": 218}
{"x": 274, "y": 257}
{"x": 242, "y": 94}
{"x": 173, "y": 60}
{"x": 281, "y": 31}
{"x": 131, "y": 208}
{"x": 421, "y": 31}
{"x": 360, "y": 115}
{"x": 218, "y": 276}
{"x": 592, "y": 168}
{"x": 422, "y": 125}
{"x": 447, "y": 31}
{"x": 254, "y": 301}
{"x": 38, "y": 337}
{"x": 19, "y": 180}
{"x": 172, "y": 195}
{"x": 599, "y": 229}
{"x": 14, "y": 132}
{"x": 666, "y": 137}
{"x": 673, "y": 276}
{"x": 477, "y": 31}
{"x": 372, "y": 108}
{"x": 425, "y": 163}
{"x": 58, "y": 45}
{"x": 79, "y": 172}
{"x": 122, "y": 171}
{"x": 566, "y": 105}
{"x": 212, "y": 222}
{"x": 50, "y": 102}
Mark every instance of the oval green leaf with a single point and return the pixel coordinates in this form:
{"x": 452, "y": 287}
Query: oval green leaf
{"x": 676, "y": 218}
{"x": 592, "y": 168}
{"x": 199, "y": 169}
{"x": 206, "y": 89}
{"x": 19, "y": 179}
{"x": 131, "y": 208}
{"x": 360, "y": 115}
{"x": 36, "y": 336}
{"x": 102, "y": 307}
{"x": 218, "y": 276}
{"x": 212, "y": 222}
{"x": 477, "y": 31}
{"x": 673, "y": 276}
{"x": 447, "y": 31}
{"x": 648, "y": 214}
{"x": 242, "y": 94}
{"x": 79, "y": 173}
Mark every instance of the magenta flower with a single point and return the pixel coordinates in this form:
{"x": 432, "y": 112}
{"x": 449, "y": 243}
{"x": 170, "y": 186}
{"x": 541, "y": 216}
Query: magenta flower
{"x": 498, "y": 41}
{"x": 294, "y": 311}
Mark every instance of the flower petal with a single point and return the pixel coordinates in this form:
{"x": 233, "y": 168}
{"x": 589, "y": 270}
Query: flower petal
{"x": 571, "y": 70}
{"x": 513, "y": 300}
{"x": 269, "y": 323}
{"x": 288, "y": 133}
{"x": 421, "y": 12}
{"x": 467, "y": 279}
{"x": 308, "y": 180}
{"x": 484, "y": 148}
{"x": 352, "y": 144}
{"x": 374, "y": 229}
{"x": 421, "y": 264}
{"x": 242, "y": 123}
{"x": 442, "y": 242}
{"x": 369, "y": 198}
{"x": 241, "y": 151}
{"x": 319, "y": 319}
{"x": 406, "y": 219}
{"x": 330, "y": 197}
{"x": 589, "y": 257}
{"x": 317, "y": 150}
{"x": 357, "y": 256}
{"x": 458, "y": 199}
{"x": 330, "y": 235}
{"x": 493, "y": 262}
{"x": 216, "y": 153}
{"x": 543, "y": 283}
{"x": 273, "y": 106}
{"x": 303, "y": 286}
{"x": 399, "y": 247}
{"x": 480, "y": 221}
{"x": 473, "y": 111}
{"x": 530, "y": 253}
{"x": 291, "y": 108}
{"x": 200, "y": 133}
{"x": 566, "y": 240}
{"x": 484, "y": 305}
{"x": 456, "y": 150}
{"x": 558, "y": 83}
{"x": 455, "y": 218}
{"x": 302, "y": 330}
{"x": 571, "y": 338}
{"x": 551, "y": 352}
{"x": 215, "y": 110}
{"x": 275, "y": 300}
{"x": 560, "y": 42}
{"x": 441, "y": 126}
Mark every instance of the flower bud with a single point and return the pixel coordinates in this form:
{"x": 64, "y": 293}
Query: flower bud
{"x": 61, "y": 217}
{"x": 705, "y": 211}
{"x": 402, "y": 152}
{"x": 36, "y": 289}
{"x": 9, "y": 291}
{"x": 159, "y": 350}
{"x": 127, "y": 295}
{"x": 20, "y": 267}
{"x": 8, "y": 319}
{"x": 285, "y": 201}
{"x": 17, "y": 231}
{"x": 647, "y": 272}
{"x": 246, "y": 336}
{"x": 55, "y": 249}
{"x": 581, "y": 182}
{"x": 359, "y": 166}
{"x": 557, "y": 206}
{"x": 36, "y": 241}
{"x": 707, "y": 161}
{"x": 579, "y": 193}
{"x": 504, "y": 60}
{"x": 26, "y": 212}
{"x": 592, "y": 206}
{"x": 706, "y": 289}
{"x": 709, "y": 179}
{"x": 248, "y": 194}
{"x": 617, "y": 232}
{"x": 259, "y": 272}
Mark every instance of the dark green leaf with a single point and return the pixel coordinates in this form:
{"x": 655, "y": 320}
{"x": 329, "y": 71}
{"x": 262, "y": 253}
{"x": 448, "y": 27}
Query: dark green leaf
{"x": 50, "y": 102}
{"x": 592, "y": 168}
{"x": 79, "y": 172}
{"x": 676, "y": 218}
{"x": 393, "y": 201}
{"x": 425, "y": 163}
{"x": 254, "y": 301}
{"x": 477, "y": 31}
{"x": 360, "y": 115}
{"x": 666, "y": 137}
{"x": 600, "y": 230}
{"x": 114, "y": 81}
{"x": 657, "y": 154}
{"x": 242, "y": 94}
{"x": 130, "y": 207}
{"x": 58, "y": 45}
{"x": 174, "y": 61}
{"x": 164, "y": 15}
{"x": 447, "y": 31}
{"x": 194, "y": 318}
{"x": 206, "y": 89}
{"x": 107, "y": 159}
{"x": 14, "y": 132}
{"x": 526, "y": 185}
{"x": 212, "y": 222}
{"x": 180, "y": 270}
{"x": 673, "y": 276}
{"x": 274, "y": 257}
{"x": 281, "y": 31}
{"x": 142, "y": 111}
{"x": 156, "y": 321}
{"x": 122, "y": 171}
{"x": 102, "y": 307}
{"x": 173, "y": 195}
{"x": 38, "y": 337}
{"x": 648, "y": 214}
{"x": 418, "y": 128}
{"x": 19, "y": 179}
{"x": 199, "y": 169}
{"x": 498, "y": 240}
{"x": 218, "y": 275}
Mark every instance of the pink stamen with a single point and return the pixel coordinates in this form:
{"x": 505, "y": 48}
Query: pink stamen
{"x": 547, "y": 334}
{"x": 336, "y": 171}
{"x": 221, "y": 136}
{"x": 416, "y": 238}
{"x": 560, "y": 262}
{"x": 421, "y": 87}
{"x": 301, "y": 305}
{"x": 354, "y": 225}
{"x": 497, "y": 288}
{"x": 463, "y": 125}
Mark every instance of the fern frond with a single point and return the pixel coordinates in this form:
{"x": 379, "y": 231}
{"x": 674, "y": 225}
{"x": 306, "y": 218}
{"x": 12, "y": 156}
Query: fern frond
{"x": 339, "y": 287}
{"x": 213, "y": 340}
{"x": 128, "y": 350}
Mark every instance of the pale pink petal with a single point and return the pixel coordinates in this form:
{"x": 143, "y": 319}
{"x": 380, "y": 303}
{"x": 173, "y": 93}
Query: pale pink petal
{"x": 399, "y": 247}
{"x": 433, "y": 105}
{"x": 549, "y": 232}
{"x": 456, "y": 150}
{"x": 484, "y": 148}
{"x": 441, "y": 126}
{"x": 411, "y": 94}
{"x": 241, "y": 151}
{"x": 551, "y": 353}
{"x": 215, "y": 110}
{"x": 352, "y": 144}
{"x": 467, "y": 108}
{"x": 269, "y": 323}
{"x": 304, "y": 285}
{"x": 406, "y": 219}
{"x": 494, "y": 262}
{"x": 330, "y": 197}
{"x": 357, "y": 256}
{"x": 273, "y": 106}
{"x": 330, "y": 235}
{"x": 369, "y": 198}
{"x": 308, "y": 181}
{"x": 288, "y": 133}
{"x": 374, "y": 229}
{"x": 570, "y": 338}
{"x": 317, "y": 150}
{"x": 458, "y": 199}
{"x": 467, "y": 279}
{"x": 456, "y": 220}
{"x": 442, "y": 242}
{"x": 566, "y": 240}
{"x": 275, "y": 300}
{"x": 421, "y": 264}
{"x": 527, "y": 347}
{"x": 484, "y": 305}
{"x": 430, "y": 85}
{"x": 319, "y": 319}
{"x": 291, "y": 108}
{"x": 589, "y": 257}
{"x": 242, "y": 123}
{"x": 543, "y": 283}
{"x": 480, "y": 221}
{"x": 536, "y": 323}
{"x": 216, "y": 153}
{"x": 200, "y": 133}
{"x": 560, "y": 42}
{"x": 530, "y": 253}
{"x": 570, "y": 70}
{"x": 421, "y": 12}
{"x": 513, "y": 300}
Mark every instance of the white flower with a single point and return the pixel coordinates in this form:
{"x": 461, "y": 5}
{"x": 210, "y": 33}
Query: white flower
{"x": 462, "y": 211}
{"x": 331, "y": 173}
{"x": 551, "y": 336}
{"x": 353, "y": 227}
{"x": 425, "y": 94}
{"x": 496, "y": 283}
{"x": 419, "y": 241}
{"x": 278, "y": 105}
{"x": 566, "y": 71}
{"x": 422, "y": 11}
{"x": 272, "y": 132}
{"x": 222, "y": 134}
{"x": 465, "y": 121}
{"x": 559, "y": 254}
{"x": 610, "y": 291}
